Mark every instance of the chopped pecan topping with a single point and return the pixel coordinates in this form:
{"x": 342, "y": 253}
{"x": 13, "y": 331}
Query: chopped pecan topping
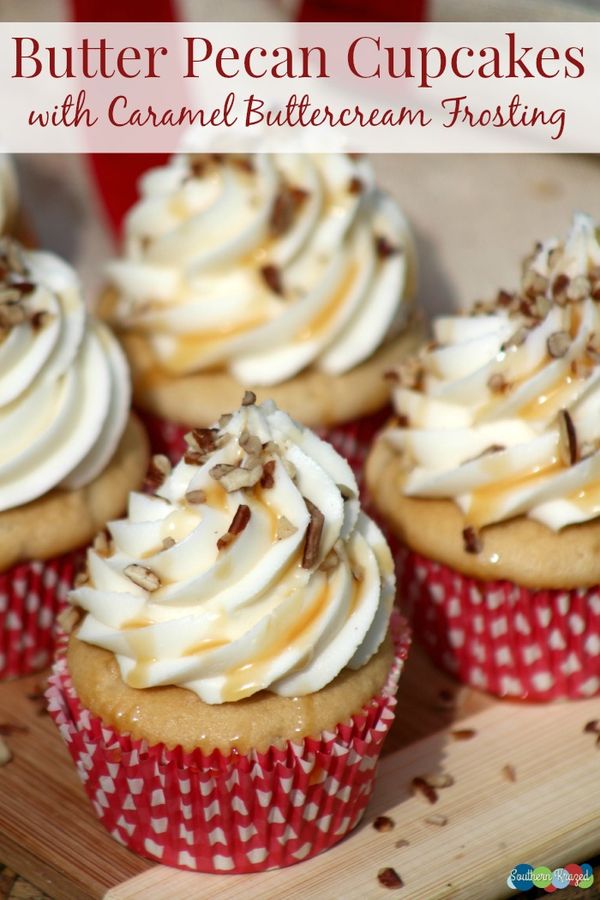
{"x": 285, "y": 528}
{"x": 160, "y": 468}
{"x": 463, "y": 734}
{"x": 355, "y": 185}
{"x": 142, "y": 576}
{"x": 194, "y": 458}
{"x": 268, "y": 474}
{"x": 285, "y": 208}
{"x": 439, "y": 780}
{"x": 592, "y": 727}
{"x": 250, "y": 443}
{"x": 472, "y": 540}
{"x": 384, "y": 248}
{"x": 503, "y": 298}
{"x": 102, "y": 544}
{"x": 497, "y": 383}
{"x": 235, "y": 478}
{"x": 579, "y": 288}
{"x": 249, "y": 398}
{"x": 196, "y": 496}
{"x": 560, "y": 285}
{"x": 567, "y": 439}
{"x": 167, "y": 543}
{"x": 202, "y": 439}
{"x": 238, "y": 523}
{"x": 68, "y": 618}
{"x": 313, "y": 535}
{"x": 330, "y": 563}
{"x": 516, "y": 340}
{"x": 558, "y": 344}
{"x": 272, "y": 277}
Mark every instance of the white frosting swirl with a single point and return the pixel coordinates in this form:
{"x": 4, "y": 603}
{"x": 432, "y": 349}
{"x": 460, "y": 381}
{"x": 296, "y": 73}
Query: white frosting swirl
{"x": 64, "y": 384}
{"x": 484, "y": 406}
{"x": 228, "y": 623}
{"x": 8, "y": 192}
{"x": 209, "y": 241}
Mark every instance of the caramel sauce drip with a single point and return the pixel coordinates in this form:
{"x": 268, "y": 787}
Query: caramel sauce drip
{"x": 330, "y": 310}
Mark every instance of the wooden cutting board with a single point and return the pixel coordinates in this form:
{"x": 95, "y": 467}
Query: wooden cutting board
{"x": 548, "y": 815}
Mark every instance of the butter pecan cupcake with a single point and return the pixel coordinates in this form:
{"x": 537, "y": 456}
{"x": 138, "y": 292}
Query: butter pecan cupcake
{"x": 69, "y": 451}
{"x": 491, "y": 478}
{"x": 290, "y": 274}
{"x": 234, "y": 659}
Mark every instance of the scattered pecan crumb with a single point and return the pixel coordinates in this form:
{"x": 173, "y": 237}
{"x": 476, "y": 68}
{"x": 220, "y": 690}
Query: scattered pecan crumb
{"x": 272, "y": 276}
{"x": 436, "y": 819}
{"x": 238, "y": 523}
{"x": 463, "y": 734}
{"x": 439, "y": 780}
{"x": 504, "y": 298}
{"x": 516, "y": 340}
{"x": 472, "y": 540}
{"x": 8, "y": 728}
{"x": 202, "y": 439}
{"x": 558, "y": 344}
{"x": 419, "y": 786}
{"x": 383, "y": 823}
{"x": 285, "y": 528}
{"x": 69, "y": 618}
{"x": 159, "y": 469}
{"x": 330, "y": 563}
{"x": 5, "y": 754}
{"x": 389, "y": 878}
{"x": 401, "y": 843}
{"x": 592, "y": 727}
{"x": 313, "y": 535}
{"x": 268, "y": 474}
{"x": 509, "y": 772}
{"x": 167, "y": 543}
{"x": 560, "y": 284}
{"x": 236, "y": 478}
{"x": 355, "y": 185}
{"x": 194, "y": 458}
{"x": 196, "y": 496}
{"x": 81, "y": 578}
{"x": 567, "y": 438}
{"x": 249, "y": 398}
{"x": 143, "y": 576}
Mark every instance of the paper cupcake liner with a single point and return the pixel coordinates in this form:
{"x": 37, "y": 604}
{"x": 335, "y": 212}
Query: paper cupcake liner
{"x": 503, "y": 638}
{"x": 351, "y": 439}
{"x": 235, "y": 813}
{"x": 31, "y": 596}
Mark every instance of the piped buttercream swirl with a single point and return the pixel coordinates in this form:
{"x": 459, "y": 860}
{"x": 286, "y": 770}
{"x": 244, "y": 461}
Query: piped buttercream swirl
{"x": 501, "y": 412}
{"x": 252, "y": 567}
{"x": 263, "y": 265}
{"x": 64, "y": 384}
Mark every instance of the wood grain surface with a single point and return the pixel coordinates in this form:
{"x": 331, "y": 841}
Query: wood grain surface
{"x": 548, "y": 815}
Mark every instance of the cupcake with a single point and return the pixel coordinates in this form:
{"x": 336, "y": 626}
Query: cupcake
{"x": 290, "y": 274}
{"x": 70, "y": 453}
{"x": 490, "y": 476}
{"x": 227, "y": 690}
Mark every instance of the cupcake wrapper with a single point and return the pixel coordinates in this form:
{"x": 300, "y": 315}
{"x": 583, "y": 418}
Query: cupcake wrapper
{"x": 235, "y": 813}
{"x": 351, "y": 439}
{"x": 31, "y": 596}
{"x": 502, "y": 638}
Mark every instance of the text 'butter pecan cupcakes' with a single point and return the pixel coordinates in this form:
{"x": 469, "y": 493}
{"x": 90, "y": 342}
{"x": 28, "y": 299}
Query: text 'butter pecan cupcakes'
{"x": 69, "y": 452}
{"x": 234, "y": 659}
{"x": 290, "y": 274}
{"x": 491, "y": 478}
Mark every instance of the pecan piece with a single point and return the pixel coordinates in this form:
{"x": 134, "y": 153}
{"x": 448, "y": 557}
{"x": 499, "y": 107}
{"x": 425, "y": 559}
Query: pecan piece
{"x": 142, "y": 576}
{"x": 389, "y": 878}
{"x": 472, "y": 540}
{"x": 238, "y": 523}
{"x": 313, "y": 535}
{"x": 272, "y": 277}
{"x": 558, "y": 344}
{"x": 160, "y": 468}
{"x": 567, "y": 439}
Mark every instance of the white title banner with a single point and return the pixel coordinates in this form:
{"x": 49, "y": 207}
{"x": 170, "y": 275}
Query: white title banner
{"x": 394, "y": 87}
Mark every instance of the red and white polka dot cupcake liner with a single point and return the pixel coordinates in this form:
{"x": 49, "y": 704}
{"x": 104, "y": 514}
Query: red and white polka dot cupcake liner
{"x": 31, "y": 596}
{"x": 502, "y": 638}
{"x": 235, "y": 813}
{"x": 352, "y": 440}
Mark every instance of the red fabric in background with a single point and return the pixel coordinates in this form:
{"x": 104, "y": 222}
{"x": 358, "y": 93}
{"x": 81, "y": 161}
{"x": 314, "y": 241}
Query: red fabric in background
{"x": 116, "y": 174}
{"x": 362, "y": 11}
